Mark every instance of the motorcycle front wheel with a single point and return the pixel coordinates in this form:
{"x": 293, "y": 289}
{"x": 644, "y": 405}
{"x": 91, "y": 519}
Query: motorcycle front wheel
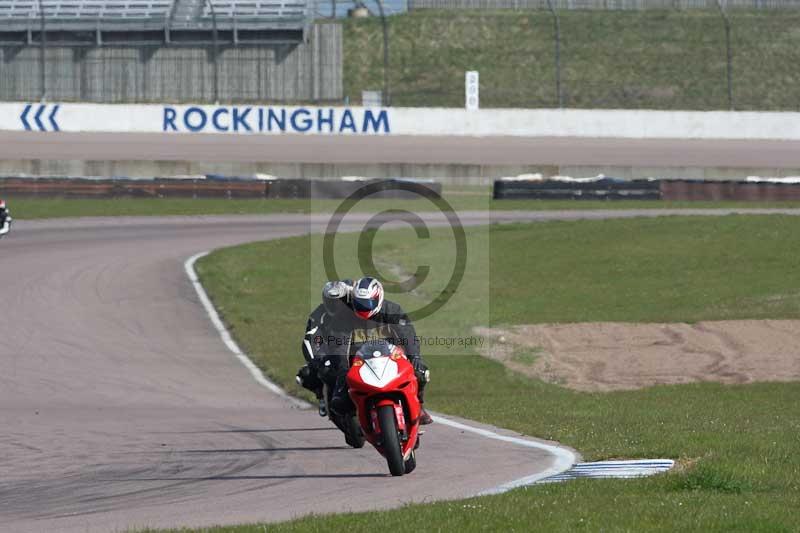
{"x": 391, "y": 440}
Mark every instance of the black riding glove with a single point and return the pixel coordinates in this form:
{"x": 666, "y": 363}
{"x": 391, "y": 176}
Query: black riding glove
{"x": 421, "y": 370}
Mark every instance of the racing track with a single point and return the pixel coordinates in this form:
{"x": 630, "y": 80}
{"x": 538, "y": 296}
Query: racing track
{"x": 399, "y": 149}
{"x": 121, "y": 407}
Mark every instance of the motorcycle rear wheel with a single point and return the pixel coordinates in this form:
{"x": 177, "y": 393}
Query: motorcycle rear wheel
{"x": 391, "y": 440}
{"x": 353, "y": 435}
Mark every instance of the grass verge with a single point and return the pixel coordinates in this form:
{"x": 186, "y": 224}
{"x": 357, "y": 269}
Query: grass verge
{"x": 736, "y": 445}
{"x": 616, "y": 59}
{"x": 40, "y": 208}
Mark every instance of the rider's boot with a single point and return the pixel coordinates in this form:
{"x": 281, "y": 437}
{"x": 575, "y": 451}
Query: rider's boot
{"x": 340, "y": 400}
{"x": 424, "y": 417}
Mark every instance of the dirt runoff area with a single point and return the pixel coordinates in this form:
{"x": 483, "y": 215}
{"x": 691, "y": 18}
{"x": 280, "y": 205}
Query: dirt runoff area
{"x": 607, "y": 356}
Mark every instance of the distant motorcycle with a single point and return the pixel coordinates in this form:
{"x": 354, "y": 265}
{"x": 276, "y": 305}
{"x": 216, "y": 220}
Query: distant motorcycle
{"x": 383, "y": 387}
{"x": 5, "y": 219}
{"x": 6, "y": 227}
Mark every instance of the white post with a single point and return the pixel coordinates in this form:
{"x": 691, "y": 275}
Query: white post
{"x": 472, "y": 90}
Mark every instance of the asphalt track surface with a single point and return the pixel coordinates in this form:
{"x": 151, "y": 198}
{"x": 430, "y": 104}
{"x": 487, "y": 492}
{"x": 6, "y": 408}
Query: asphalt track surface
{"x": 399, "y": 149}
{"x": 121, "y": 407}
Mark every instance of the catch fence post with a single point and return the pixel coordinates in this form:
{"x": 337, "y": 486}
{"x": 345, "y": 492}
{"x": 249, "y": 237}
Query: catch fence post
{"x": 387, "y": 95}
{"x": 557, "y": 37}
{"x": 42, "y": 47}
{"x": 728, "y": 52}
{"x": 215, "y": 44}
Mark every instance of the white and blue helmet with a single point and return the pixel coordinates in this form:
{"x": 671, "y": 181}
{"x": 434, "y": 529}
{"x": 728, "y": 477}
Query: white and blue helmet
{"x": 367, "y": 297}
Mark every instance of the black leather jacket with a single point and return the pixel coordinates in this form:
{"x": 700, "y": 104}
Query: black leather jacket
{"x": 344, "y": 335}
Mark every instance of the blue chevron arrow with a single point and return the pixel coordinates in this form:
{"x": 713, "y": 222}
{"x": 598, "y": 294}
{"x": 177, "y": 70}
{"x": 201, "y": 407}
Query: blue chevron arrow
{"x": 24, "y": 117}
{"x": 52, "y": 118}
{"x": 38, "y": 118}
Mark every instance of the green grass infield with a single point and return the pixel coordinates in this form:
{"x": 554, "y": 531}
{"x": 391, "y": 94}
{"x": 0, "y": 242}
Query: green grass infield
{"x": 736, "y": 445}
{"x": 40, "y": 208}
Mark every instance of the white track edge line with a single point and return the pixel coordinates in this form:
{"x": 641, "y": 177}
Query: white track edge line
{"x": 227, "y": 339}
{"x": 564, "y": 458}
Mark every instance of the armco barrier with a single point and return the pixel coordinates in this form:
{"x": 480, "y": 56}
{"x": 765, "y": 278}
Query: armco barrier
{"x": 280, "y": 120}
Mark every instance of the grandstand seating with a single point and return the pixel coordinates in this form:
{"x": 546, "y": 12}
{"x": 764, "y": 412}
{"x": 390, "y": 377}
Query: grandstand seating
{"x": 85, "y": 9}
{"x": 256, "y": 9}
{"x": 137, "y": 15}
{"x": 183, "y": 13}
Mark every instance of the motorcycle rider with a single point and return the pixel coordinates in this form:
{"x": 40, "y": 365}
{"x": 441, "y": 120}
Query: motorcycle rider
{"x": 323, "y": 322}
{"x": 5, "y": 214}
{"x": 375, "y": 318}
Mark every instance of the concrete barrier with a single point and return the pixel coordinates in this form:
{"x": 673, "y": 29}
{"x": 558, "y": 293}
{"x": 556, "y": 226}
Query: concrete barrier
{"x": 276, "y": 120}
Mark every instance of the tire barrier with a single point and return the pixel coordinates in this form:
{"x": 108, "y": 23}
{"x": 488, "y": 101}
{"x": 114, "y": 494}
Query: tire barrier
{"x": 212, "y": 186}
{"x": 595, "y": 189}
{"x": 668, "y": 190}
{"x": 68, "y": 187}
{"x": 340, "y": 189}
{"x": 700, "y": 190}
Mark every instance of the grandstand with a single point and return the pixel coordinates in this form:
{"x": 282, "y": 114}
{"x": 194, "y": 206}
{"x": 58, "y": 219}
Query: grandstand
{"x": 104, "y": 22}
{"x": 125, "y": 51}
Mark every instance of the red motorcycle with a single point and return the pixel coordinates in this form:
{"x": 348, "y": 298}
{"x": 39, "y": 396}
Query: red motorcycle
{"x": 383, "y": 387}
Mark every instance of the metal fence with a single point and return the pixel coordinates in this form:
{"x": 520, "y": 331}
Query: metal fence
{"x": 600, "y": 4}
{"x": 342, "y": 8}
{"x": 707, "y": 59}
{"x": 717, "y": 58}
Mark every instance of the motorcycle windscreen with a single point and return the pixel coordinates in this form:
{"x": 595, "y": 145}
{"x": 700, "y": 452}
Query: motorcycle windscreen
{"x": 378, "y": 372}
